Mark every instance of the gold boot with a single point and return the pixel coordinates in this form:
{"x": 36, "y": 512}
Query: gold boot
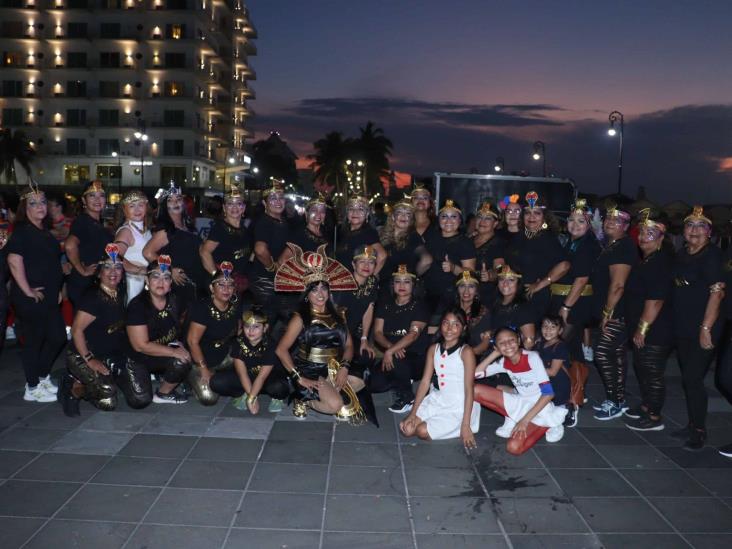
{"x": 299, "y": 409}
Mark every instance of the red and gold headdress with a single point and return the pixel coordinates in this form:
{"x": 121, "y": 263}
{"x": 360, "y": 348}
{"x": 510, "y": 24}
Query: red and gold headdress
{"x": 163, "y": 264}
{"x": 697, "y": 214}
{"x": 467, "y": 277}
{"x": 512, "y": 199}
{"x": 304, "y": 268}
{"x": 486, "y": 210}
{"x": 112, "y": 255}
{"x": 532, "y": 201}
{"x": 224, "y": 271}
{"x": 93, "y": 187}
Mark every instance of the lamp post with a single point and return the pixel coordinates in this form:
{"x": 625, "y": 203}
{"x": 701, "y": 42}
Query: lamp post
{"x": 140, "y": 138}
{"x": 229, "y": 160}
{"x": 116, "y": 155}
{"x": 540, "y": 154}
{"x": 613, "y": 118}
{"x": 500, "y": 165}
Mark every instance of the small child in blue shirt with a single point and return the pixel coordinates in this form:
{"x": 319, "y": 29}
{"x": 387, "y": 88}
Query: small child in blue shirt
{"x": 555, "y": 355}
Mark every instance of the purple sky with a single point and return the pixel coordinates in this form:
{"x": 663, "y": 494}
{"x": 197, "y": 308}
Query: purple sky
{"x": 456, "y": 84}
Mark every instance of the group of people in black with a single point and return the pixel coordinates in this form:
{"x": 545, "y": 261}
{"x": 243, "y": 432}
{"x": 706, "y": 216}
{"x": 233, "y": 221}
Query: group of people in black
{"x": 322, "y": 320}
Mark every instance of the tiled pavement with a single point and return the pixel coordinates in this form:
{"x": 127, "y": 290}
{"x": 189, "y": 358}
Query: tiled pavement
{"x": 189, "y": 476}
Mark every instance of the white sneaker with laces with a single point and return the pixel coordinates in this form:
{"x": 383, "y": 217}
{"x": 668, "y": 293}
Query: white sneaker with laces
{"x": 505, "y": 430}
{"x": 48, "y": 385}
{"x": 555, "y": 434}
{"x": 38, "y": 394}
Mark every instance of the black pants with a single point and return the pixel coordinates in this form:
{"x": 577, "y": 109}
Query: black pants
{"x": 99, "y": 389}
{"x": 399, "y": 378}
{"x": 227, "y": 383}
{"x": 133, "y": 377}
{"x": 694, "y": 362}
{"x": 44, "y": 335}
{"x": 650, "y": 366}
{"x": 610, "y": 359}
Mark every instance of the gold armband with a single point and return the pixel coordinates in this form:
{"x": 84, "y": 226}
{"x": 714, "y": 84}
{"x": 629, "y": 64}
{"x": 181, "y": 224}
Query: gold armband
{"x": 643, "y": 327}
{"x": 607, "y": 314}
{"x": 251, "y": 399}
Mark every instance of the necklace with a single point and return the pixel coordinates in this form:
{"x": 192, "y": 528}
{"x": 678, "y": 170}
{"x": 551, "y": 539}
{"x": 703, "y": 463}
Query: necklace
{"x": 109, "y": 291}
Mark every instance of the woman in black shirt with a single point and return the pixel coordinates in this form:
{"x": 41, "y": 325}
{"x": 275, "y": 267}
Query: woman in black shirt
{"x": 214, "y": 323}
{"x": 154, "y": 331}
{"x": 489, "y": 250}
{"x": 423, "y": 211}
{"x": 86, "y": 241}
{"x": 402, "y": 243}
{"x": 649, "y": 317}
{"x": 34, "y": 258}
{"x": 698, "y": 293}
{"x": 511, "y": 217}
{"x": 356, "y": 232}
{"x": 608, "y": 285}
{"x": 312, "y": 236}
{"x": 511, "y": 308}
{"x": 476, "y": 314}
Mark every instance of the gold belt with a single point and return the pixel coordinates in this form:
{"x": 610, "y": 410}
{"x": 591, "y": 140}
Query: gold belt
{"x": 318, "y": 355}
{"x": 564, "y": 289}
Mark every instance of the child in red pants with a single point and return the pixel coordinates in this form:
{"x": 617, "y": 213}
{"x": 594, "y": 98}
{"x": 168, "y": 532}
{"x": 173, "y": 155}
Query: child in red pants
{"x": 529, "y": 411}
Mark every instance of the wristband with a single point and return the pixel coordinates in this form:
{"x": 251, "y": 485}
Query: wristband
{"x": 643, "y": 327}
{"x": 251, "y": 399}
{"x": 88, "y": 356}
{"x": 607, "y": 314}
{"x": 705, "y": 328}
{"x": 565, "y": 306}
{"x": 364, "y": 338}
{"x": 293, "y": 374}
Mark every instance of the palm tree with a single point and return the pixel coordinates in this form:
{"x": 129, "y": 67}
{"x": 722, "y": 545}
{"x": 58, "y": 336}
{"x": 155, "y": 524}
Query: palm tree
{"x": 374, "y": 148}
{"x": 14, "y": 148}
{"x": 329, "y": 159}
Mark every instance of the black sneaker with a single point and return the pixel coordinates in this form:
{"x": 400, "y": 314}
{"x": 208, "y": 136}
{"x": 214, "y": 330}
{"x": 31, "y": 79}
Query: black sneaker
{"x": 681, "y": 434}
{"x": 696, "y": 440}
{"x": 401, "y": 406}
{"x": 726, "y": 450}
{"x": 169, "y": 398}
{"x": 645, "y": 423}
{"x": 635, "y": 413}
{"x": 570, "y": 420}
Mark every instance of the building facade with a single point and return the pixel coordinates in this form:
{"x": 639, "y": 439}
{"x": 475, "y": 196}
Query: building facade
{"x": 131, "y": 92}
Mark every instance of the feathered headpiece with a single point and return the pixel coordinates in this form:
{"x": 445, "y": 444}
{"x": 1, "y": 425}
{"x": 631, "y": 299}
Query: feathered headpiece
{"x": 532, "y": 201}
{"x": 505, "y": 271}
{"x": 450, "y": 205}
{"x": 697, "y": 214}
{"x": 512, "y": 199}
{"x": 467, "y": 277}
{"x": 304, "y": 268}
{"x": 486, "y": 210}
{"x": 403, "y": 270}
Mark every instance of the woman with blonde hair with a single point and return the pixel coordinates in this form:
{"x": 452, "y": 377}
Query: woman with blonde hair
{"x": 132, "y": 235}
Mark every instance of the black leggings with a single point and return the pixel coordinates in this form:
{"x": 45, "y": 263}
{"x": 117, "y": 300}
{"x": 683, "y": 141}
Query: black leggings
{"x": 44, "y": 336}
{"x": 227, "y": 383}
{"x": 610, "y": 359}
{"x": 694, "y": 362}
{"x": 650, "y": 366}
{"x": 399, "y": 378}
{"x": 133, "y": 377}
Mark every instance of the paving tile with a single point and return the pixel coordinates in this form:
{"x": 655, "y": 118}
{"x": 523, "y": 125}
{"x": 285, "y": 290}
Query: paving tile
{"x": 466, "y": 515}
{"x": 66, "y": 467}
{"x": 339, "y": 540}
{"x": 90, "y": 442}
{"x": 25, "y": 498}
{"x": 12, "y": 460}
{"x": 495, "y": 457}
{"x": 221, "y": 475}
{"x": 267, "y": 510}
{"x": 570, "y": 457}
{"x": 158, "y": 446}
{"x": 464, "y": 541}
{"x": 601, "y": 436}
{"x": 433, "y": 481}
{"x": 359, "y": 453}
{"x": 380, "y": 513}
{"x": 289, "y": 477}
{"x": 312, "y": 417}
{"x": 34, "y": 440}
{"x": 249, "y": 428}
{"x": 665, "y": 482}
{"x": 520, "y": 483}
{"x": 286, "y": 430}
{"x": 366, "y": 480}
{"x": 643, "y": 541}
{"x": 272, "y": 539}
{"x": 709, "y": 541}
{"x": 136, "y": 471}
{"x": 626, "y": 515}
{"x": 639, "y": 457}
{"x": 104, "y": 502}
{"x": 128, "y": 422}
{"x": 154, "y": 535}
{"x": 592, "y": 482}
{"x": 695, "y": 514}
{"x": 190, "y": 408}
{"x": 571, "y": 436}
{"x": 554, "y": 541}
{"x": 72, "y": 534}
{"x": 539, "y": 515}
{"x": 226, "y": 449}
{"x": 16, "y": 530}
{"x": 448, "y": 454}
{"x": 184, "y": 425}
{"x": 366, "y": 433}
{"x": 717, "y": 482}
{"x": 706, "y": 458}
{"x": 52, "y": 417}
{"x": 194, "y": 507}
{"x": 282, "y": 451}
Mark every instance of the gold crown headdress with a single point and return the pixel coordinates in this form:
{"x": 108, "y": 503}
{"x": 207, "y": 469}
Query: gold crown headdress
{"x": 32, "y": 190}
{"x": 93, "y": 187}
{"x": 645, "y": 221}
{"x": 404, "y": 204}
{"x": 403, "y": 270}
{"x": 467, "y": 277}
{"x": 419, "y": 188}
{"x": 450, "y": 205}
{"x": 358, "y": 201}
{"x": 317, "y": 200}
{"x": 580, "y": 207}
{"x": 134, "y": 196}
{"x": 697, "y": 214}
{"x": 276, "y": 187}
{"x": 234, "y": 193}
{"x": 505, "y": 271}
{"x": 613, "y": 211}
{"x": 304, "y": 268}
{"x": 486, "y": 210}
{"x": 254, "y": 316}
{"x": 364, "y": 252}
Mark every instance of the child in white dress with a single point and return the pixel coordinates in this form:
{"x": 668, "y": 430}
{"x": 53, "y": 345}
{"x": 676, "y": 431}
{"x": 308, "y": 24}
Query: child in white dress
{"x": 450, "y": 411}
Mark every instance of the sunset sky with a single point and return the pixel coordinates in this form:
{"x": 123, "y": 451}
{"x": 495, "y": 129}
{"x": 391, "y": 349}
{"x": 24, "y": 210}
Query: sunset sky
{"x": 456, "y": 84}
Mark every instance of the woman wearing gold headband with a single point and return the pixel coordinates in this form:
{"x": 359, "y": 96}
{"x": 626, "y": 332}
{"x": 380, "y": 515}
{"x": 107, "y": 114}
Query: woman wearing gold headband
{"x": 423, "y": 210}
{"x": 86, "y": 241}
{"x": 511, "y": 307}
{"x": 477, "y": 314}
{"x": 34, "y": 258}
{"x": 213, "y": 325}
{"x": 698, "y": 292}
{"x": 356, "y": 232}
{"x": 401, "y": 242}
{"x": 131, "y": 237}
{"x": 489, "y": 248}
{"x": 312, "y": 236}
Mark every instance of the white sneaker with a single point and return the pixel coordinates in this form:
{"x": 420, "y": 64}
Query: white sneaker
{"x": 505, "y": 430}
{"x": 38, "y": 394}
{"x": 48, "y": 385}
{"x": 588, "y": 352}
{"x": 555, "y": 434}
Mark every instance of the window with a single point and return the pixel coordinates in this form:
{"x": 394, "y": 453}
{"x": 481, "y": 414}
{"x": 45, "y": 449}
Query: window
{"x": 77, "y": 4}
{"x": 108, "y": 88}
{"x": 76, "y": 30}
{"x": 75, "y": 146}
{"x": 75, "y": 173}
{"x": 13, "y": 29}
{"x": 176, "y": 4}
{"x": 173, "y": 173}
{"x": 12, "y": 88}
{"x": 176, "y": 32}
{"x": 109, "y": 59}
{"x": 109, "y": 30}
{"x": 108, "y": 146}
{"x": 174, "y": 119}
{"x": 108, "y": 117}
{"x": 173, "y": 89}
{"x": 112, "y": 4}
{"x": 76, "y": 59}
{"x": 13, "y": 59}
{"x": 175, "y": 60}
{"x": 109, "y": 173}
{"x": 75, "y": 88}
{"x": 173, "y": 147}
{"x": 12, "y": 117}
{"x": 75, "y": 117}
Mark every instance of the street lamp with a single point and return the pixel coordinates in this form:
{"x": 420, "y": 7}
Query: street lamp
{"x": 140, "y": 138}
{"x": 613, "y": 118}
{"x": 356, "y": 175}
{"x": 500, "y": 165}
{"x": 540, "y": 154}
{"x": 230, "y": 160}
{"x": 116, "y": 155}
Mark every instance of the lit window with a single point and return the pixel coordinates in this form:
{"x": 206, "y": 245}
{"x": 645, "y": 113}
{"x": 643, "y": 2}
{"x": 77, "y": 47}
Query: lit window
{"x": 176, "y": 32}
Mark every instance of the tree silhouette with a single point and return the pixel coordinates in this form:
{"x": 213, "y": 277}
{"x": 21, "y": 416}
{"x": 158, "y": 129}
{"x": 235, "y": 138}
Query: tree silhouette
{"x": 374, "y": 148}
{"x": 328, "y": 161}
{"x": 14, "y": 149}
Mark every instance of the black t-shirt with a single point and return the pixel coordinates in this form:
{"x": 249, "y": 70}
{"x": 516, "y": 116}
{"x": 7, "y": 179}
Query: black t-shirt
{"x": 727, "y": 276}
{"x": 354, "y": 304}
{"x": 477, "y": 325}
{"x": 221, "y": 328}
{"x": 234, "y": 244}
{"x": 651, "y": 279}
{"x": 581, "y": 254}
{"x": 401, "y": 256}
{"x": 93, "y": 238}
{"x": 621, "y": 252}
{"x": 275, "y": 234}
{"x": 398, "y": 319}
{"x": 457, "y": 248}
{"x": 514, "y": 314}
{"x": 163, "y": 326}
{"x": 693, "y": 275}
{"x": 534, "y": 257}
{"x": 309, "y": 241}
{"x": 489, "y": 251}
{"x": 254, "y": 356}
{"x": 183, "y": 248}
{"x": 349, "y": 240}
{"x": 560, "y": 382}
{"x": 41, "y": 255}
{"x": 105, "y": 336}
